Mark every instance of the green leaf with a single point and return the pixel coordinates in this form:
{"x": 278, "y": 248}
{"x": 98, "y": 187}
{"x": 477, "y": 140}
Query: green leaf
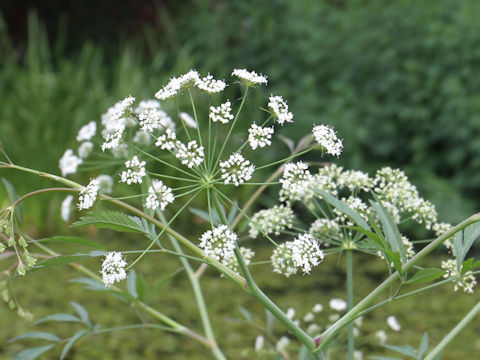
{"x": 31, "y": 354}
{"x": 423, "y": 346}
{"x": 58, "y": 317}
{"x": 425, "y": 275}
{"x": 71, "y": 342}
{"x": 344, "y": 208}
{"x": 471, "y": 233}
{"x": 132, "y": 284}
{"x": 82, "y": 312}
{"x": 36, "y": 335}
{"x": 74, "y": 240}
{"x": 394, "y": 257}
{"x": 113, "y": 220}
{"x": 13, "y": 196}
{"x": 405, "y": 350}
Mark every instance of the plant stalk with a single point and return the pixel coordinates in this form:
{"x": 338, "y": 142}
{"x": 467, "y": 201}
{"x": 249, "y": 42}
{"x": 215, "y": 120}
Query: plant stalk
{"x": 351, "y": 338}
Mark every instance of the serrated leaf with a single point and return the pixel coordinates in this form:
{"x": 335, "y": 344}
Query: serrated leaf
{"x": 405, "y": 350}
{"x": 71, "y": 342}
{"x": 425, "y": 275}
{"x": 13, "y": 196}
{"x": 344, "y": 208}
{"x": 82, "y": 312}
{"x": 132, "y": 284}
{"x": 114, "y": 220}
{"x": 36, "y": 335}
{"x": 58, "y": 317}
{"x": 74, "y": 240}
{"x": 423, "y": 346}
{"x": 32, "y": 354}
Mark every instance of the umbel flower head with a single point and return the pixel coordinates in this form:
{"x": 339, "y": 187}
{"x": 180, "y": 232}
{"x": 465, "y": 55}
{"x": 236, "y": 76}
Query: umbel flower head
{"x": 249, "y": 78}
{"x": 221, "y": 113}
{"x": 279, "y": 109}
{"x": 87, "y": 131}
{"x": 113, "y": 268}
{"x": 259, "y": 136}
{"x": 271, "y": 221}
{"x": 219, "y": 243}
{"x": 464, "y": 281}
{"x": 88, "y": 195}
{"x": 159, "y": 196}
{"x": 68, "y": 163}
{"x": 326, "y": 137}
{"x": 236, "y": 169}
{"x": 135, "y": 171}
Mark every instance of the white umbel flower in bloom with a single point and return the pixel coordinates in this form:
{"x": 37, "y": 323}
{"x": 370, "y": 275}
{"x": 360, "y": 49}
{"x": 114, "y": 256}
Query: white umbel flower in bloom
{"x": 464, "y": 281}
{"x": 219, "y": 243}
{"x": 221, "y": 113}
{"x": 135, "y": 171}
{"x": 271, "y": 221}
{"x": 159, "y": 196}
{"x": 259, "y": 136}
{"x": 282, "y": 261}
{"x": 167, "y": 141}
{"x": 68, "y": 163}
{"x": 232, "y": 262}
{"x": 306, "y": 252}
{"x": 177, "y": 84}
{"x": 115, "y": 120}
{"x": 355, "y": 180}
{"x": 338, "y": 304}
{"x": 326, "y": 137}
{"x": 249, "y": 78}
{"x": 393, "y": 323}
{"x": 152, "y": 119}
{"x": 85, "y": 149}
{"x": 279, "y": 109}
{"x": 191, "y": 154}
{"x": 88, "y": 195}
{"x": 296, "y": 182}
{"x": 236, "y": 169}
{"x": 210, "y": 85}
{"x": 322, "y": 228}
{"x": 113, "y": 268}
{"x": 105, "y": 184}
{"x": 66, "y": 207}
{"x": 87, "y": 131}
{"x": 188, "y": 120}
{"x": 147, "y": 105}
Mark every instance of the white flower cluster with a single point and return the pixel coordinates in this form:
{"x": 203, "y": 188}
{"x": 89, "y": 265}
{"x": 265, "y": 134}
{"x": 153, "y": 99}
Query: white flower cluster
{"x": 167, "y": 141}
{"x": 440, "y": 229}
{"x": 221, "y": 113}
{"x": 392, "y": 186}
{"x": 259, "y": 136}
{"x": 151, "y": 119}
{"x": 326, "y": 137}
{"x": 219, "y": 243}
{"x": 322, "y": 228}
{"x": 191, "y": 154}
{"x": 135, "y": 171}
{"x": 249, "y": 78}
{"x": 68, "y": 163}
{"x": 279, "y": 109}
{"x": 188, "y": 120}
{"x": 303, "y": 252}
{"x": 338, "y": 304}
{"x": 393, "y": 323}
{"x": 85, "y": 149}
{"x": 159, "y": 195}
{"x": 88, "y": 195}
{"x": 147, "y": 105}
{"x": 271, "y": 221}
{"x": 177, "y": 84}
{"x": 105, "y": 184}
{"x": 296, "y": 182}
{"x": 115, "y": 121}
{"x": 236, "y": 169}
{"x": 113, "y": 268}
{"x": 66, "y": 207}
{"x": 326, "y": 179}
{"x": 355, "y": 180}
{"x": 232, "y": 262}
{"x": 464, "y": 281}
{"x": 87, "y": 131}
{"x": 355, "y": 204}
{"x": 210, "y": 85}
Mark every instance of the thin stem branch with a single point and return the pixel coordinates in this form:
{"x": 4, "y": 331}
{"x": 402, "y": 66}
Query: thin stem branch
{"x": 351, "y": 338}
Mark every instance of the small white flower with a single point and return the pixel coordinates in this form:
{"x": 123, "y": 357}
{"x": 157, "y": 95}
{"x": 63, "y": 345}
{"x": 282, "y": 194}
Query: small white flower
{"x": 259, "y": 136}
{"x": 236, "y": 170}
{"x": 219, "y": 243}
{"x": 296, "y": 182}
{"x": 105, "y": 184}
{"x": 324, "y": 228}
{"x": 306, "y": 252}
{"x": 113, "y": 268}
{"x": 282, "y": 344}
{"x": 142, "y": 138}
{"x": 250, "y": 78}
{"x": 232, "y": 263}
{"x": 393, "y": 323}
{"x": 337, "y": 304}
{"x": 317, "y": 308}
{"x": 147, "y": 105}
{"x": 464, "y": 281}
{"x": 282, "y": 261}
{"x": 279, "y": 109}
{"x": 326, "y": 137}
{"x": 381, "y": 336}
{"x": 210, "y": 85}
{"x": 290, "y": 313}
{"x": 259, "y": 342}
{"x": 314, "y": 329}
{"x": 188, "y": 120}
{"x": 167, "y": 141}
{"x": 87, "y": 132}
{"x": 177, "y": 84}
{"x": 152, "y": 119}
{"x": 88, "y": 195}
{"x": 221, "y": 113}
{"x": 271, "y": 221}
{"x": 159, "y": 195}
{"x": 66, "y": 207}
{"x": 68, "y": 163}
{"x": 191, "y": 154}
{"x": 135, "y": 171}
{"x": 308, "y": 317}
{"x": 85, "y": 149}
{"x": 115, "y": 121}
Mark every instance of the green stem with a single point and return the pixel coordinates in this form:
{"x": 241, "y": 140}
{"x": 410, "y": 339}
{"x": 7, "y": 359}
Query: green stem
{"x": 454, "y": 332}
{"x": 324, "y": 339}
{"x": 351, "y": 340}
